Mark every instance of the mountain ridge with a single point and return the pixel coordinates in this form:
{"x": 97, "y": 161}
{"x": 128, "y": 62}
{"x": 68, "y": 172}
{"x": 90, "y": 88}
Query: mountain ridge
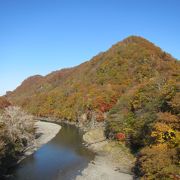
{"x": 125, "y": 54}
{"x": 130, "y": 39}
{"x": 133, "y": 89}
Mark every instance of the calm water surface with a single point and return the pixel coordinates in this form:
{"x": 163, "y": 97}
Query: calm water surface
{"x": 61, "y": 159}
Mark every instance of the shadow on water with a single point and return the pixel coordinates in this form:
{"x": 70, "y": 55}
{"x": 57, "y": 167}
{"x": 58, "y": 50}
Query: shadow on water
{"x": 61, "y": 159}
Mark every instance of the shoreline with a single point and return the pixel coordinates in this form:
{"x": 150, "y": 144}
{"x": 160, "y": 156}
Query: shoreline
{"x": 45, "y": 132}
{"x": 111, "y": 162}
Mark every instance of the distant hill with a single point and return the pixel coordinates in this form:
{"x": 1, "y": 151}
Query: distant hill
{"x": 133, "y": 87}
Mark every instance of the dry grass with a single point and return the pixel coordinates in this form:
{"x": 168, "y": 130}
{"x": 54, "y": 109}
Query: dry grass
{"x": 16, "y": 133}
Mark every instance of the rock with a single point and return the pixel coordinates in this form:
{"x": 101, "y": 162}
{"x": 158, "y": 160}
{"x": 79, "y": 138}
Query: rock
{"x": 111, "y": 162}
{"x": 94, "y": 136}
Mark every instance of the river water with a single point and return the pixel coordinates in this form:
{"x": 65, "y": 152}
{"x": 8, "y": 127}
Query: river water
{"x": 62, "y": 158}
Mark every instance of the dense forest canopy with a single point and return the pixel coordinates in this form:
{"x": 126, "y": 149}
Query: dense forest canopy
{"x": 96, "y": 84}
{"x": 133, "y": 87}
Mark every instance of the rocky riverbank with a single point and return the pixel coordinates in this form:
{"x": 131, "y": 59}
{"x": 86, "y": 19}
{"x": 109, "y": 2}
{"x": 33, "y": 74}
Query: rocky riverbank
{"x": 113, "y": 160}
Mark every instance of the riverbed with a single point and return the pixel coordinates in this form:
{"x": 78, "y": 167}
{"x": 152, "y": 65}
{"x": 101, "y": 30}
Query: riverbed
{"x": 62, "y": 158}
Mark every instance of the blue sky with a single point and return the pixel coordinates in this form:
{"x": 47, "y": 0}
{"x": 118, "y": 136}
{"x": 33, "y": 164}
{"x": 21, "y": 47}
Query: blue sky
{"x": 39, "y": 36}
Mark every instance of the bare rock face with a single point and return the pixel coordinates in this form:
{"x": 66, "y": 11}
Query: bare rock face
{"x": 84, "y": 117}
{"x": 94, "y": 136}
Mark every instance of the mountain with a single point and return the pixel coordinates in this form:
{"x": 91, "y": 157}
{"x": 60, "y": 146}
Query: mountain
{"x": 133, "y": 87}
{"x": 95, "y": 84}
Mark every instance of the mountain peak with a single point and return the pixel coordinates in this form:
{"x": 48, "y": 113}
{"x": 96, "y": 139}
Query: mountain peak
{"x": 134, "y": 38}
{"x": 137, "y": 40}
{"x": 132, "y": 61}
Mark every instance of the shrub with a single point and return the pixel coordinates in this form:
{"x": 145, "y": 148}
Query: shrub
{"x": 16, "y": 132}
{"x": 4, "y": 103}
{"x": 120, "y": 136}
{"x": 158, "y": 162}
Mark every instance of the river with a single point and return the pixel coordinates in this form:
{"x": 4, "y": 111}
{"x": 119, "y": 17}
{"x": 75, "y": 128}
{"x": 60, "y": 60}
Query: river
{"x": 62, "y": 158}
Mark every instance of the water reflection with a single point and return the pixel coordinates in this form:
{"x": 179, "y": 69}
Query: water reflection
{"x": 62, "y": 158}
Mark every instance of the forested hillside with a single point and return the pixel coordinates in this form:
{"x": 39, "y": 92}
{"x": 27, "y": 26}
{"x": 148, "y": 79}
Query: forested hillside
{"x": 134, "y": 87}
{"x": 96, "y": 84}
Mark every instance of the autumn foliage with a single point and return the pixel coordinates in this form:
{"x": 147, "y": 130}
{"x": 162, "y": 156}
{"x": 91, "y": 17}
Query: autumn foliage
{"x": 120, "y": 136}
{"x": 4, "y": 103}
{"x": 133, "y": 87}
